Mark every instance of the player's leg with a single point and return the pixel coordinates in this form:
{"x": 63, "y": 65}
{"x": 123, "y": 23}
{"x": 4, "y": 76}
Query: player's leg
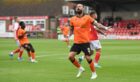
{"x": 74, "y": 50}
{"x": 68, "y": 42}
{"x": 86, "y": 49}
{"x": 20, "y": 51}
{"x": 16, "y": 50}
{"x": 73, "y": 60}
{"x": 97, "y": 57}
{"x": 25, "y": 46}
{"x": 92, "y": 68}
{"x": 98, "y": 53}
{"x": 66, "y": 39}
{"x": 81, "y": 58}
{"x": 32, "y": 52}
{"x": 29, "y": 56}
{"x": 20, "y": 54}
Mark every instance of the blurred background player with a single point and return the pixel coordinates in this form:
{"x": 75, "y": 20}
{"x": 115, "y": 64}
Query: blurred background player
{"x": 80, "y": 27}
{"x": 94, "y": 43}
{"x": 19, "y": 50}
{"x": 65, "y": 31}
{"x": 22, "y": 36}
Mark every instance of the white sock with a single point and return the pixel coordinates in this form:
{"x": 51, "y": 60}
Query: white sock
{"x": 94, "y": 73}
{"x": 80, "y": 67}
{"x": 95, "y": 63}
{"x": 11, "y": 53}
{"x": 83, "y": 57}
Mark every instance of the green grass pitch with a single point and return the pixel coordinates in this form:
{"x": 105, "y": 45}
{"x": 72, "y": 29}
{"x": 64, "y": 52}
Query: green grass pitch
{"x": 120, "y": 62}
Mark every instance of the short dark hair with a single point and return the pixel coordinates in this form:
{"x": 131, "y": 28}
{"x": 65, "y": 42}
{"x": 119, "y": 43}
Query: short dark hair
{"x": 92, "y": 12}
{"x": 22, "y": 24}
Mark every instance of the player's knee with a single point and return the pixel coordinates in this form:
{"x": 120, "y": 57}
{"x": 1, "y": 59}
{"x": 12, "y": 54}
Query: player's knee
{"x": 28, "y": 50}
{"x": 71, "y": 57}
{"x": 98, "y": 50}
{"x": 21, "y": 48}
{"x": 89, "y": 60}
{"x": 32, "y": 50}
{"x": 91, "y": 52}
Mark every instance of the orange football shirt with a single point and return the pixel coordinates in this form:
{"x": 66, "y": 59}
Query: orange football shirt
{"x": 82, "y": 27}
{"x": 24, "y": 39}
{"x": 65, "y": 30}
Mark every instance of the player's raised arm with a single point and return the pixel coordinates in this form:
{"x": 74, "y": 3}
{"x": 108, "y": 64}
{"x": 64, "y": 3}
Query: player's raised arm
{"x": 94, "y": 16}
{"x": 100, "y": 31}
{"x": 100, "y": 26}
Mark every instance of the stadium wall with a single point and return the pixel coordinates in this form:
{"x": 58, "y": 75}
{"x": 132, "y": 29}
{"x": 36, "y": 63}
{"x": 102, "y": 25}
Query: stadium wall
{"x": 31, "y": 7}
{"x": 124, "y": 14}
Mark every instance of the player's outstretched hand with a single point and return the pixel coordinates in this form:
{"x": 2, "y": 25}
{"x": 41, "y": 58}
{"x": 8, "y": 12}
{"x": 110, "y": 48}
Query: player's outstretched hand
{"x": 110, "y": 29}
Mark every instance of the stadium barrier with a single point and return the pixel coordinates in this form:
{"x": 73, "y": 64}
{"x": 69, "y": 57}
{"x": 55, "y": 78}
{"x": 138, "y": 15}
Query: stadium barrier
{"x": 120, "y": 37}
{"x": 36, "y": 26}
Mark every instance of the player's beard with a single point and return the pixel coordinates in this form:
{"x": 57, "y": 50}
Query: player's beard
{"x": 23, "y": 27}
{"x": 78, "y": 11}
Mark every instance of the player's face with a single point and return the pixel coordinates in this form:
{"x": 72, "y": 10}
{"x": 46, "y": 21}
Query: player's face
{"x": 23, "y": 27}
{"x": 79, "y": 8}
{"x": 17, "y": 19}
{"x": 94, "y": 16}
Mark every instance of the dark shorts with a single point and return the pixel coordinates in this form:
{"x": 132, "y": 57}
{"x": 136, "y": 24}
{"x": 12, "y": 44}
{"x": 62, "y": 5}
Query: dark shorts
{"x": 28, "y": 47}
{"x": 84, "y": 47}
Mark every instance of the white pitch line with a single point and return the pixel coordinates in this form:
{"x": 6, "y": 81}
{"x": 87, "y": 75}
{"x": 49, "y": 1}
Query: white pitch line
{"x": 48, "y": 55}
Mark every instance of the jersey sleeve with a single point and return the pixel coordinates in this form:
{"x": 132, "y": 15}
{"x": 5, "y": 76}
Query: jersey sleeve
{"x": 91, "y": 19}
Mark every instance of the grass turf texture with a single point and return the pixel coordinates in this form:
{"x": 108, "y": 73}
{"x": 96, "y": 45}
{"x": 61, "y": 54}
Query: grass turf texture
{"x": 120, "y": 62}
